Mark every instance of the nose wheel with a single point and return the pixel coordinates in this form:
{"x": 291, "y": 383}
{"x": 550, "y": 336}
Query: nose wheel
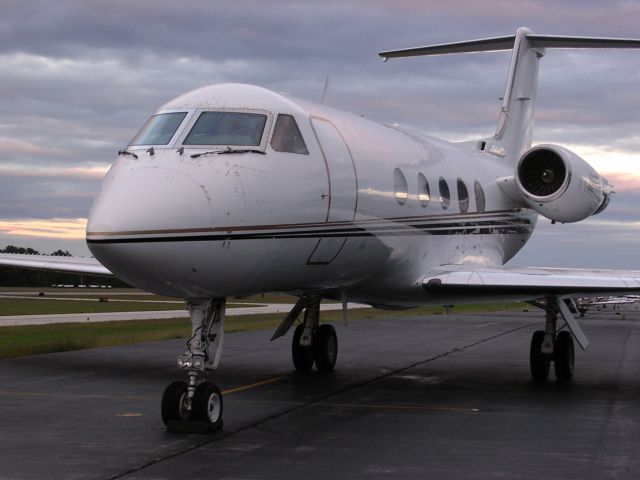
{"x": 202, "y": 413}
{"x": 174, "y": 403}
{"x": 196, "y": 406}
{"x": 206, "y": 405}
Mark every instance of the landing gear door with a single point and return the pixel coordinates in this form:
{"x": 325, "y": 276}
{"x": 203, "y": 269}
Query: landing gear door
{"x": 343, "y": 189}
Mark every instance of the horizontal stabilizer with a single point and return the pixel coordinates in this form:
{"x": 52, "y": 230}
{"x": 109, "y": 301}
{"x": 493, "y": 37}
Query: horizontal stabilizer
{"x": 506, "y": 43}
{"x": 482, "y": 45}
{"x": 558, "y": 41}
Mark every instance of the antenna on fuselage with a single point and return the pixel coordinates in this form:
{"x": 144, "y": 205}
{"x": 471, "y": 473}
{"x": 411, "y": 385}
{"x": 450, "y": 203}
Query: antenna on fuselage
{"x": 324, "y": 90}
{"x": 515, "y": 123}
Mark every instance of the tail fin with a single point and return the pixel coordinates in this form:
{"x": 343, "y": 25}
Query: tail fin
{"x": 515, "y": 123}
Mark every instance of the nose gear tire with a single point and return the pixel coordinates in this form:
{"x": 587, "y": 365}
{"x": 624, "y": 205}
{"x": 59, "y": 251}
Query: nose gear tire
{"x": 173, "y": 402}
{"x": 206, "y": 405}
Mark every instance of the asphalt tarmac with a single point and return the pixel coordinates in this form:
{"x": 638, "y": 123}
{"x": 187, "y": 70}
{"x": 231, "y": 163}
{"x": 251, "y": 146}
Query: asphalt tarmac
{"x": 443, "y": 397}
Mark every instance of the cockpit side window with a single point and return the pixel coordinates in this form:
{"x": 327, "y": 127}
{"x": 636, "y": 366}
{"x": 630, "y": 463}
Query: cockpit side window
{"x": 287, "y": 137}
{"x": 159, "y": 129}
{"x": 227, "y": 128}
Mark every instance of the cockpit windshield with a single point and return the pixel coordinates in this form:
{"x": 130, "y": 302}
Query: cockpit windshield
{"x": 227, "y": 128}
{"x": 160, "y": 128}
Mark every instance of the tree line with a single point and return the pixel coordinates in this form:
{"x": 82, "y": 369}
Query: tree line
{"x": 18, "y": 277}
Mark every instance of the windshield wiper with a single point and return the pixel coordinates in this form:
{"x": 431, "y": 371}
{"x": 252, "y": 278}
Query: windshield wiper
{"x": 228, "y": 150}
{"x": 127, "y": 152}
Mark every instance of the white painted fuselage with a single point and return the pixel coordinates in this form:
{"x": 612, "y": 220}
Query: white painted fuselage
{"x": 364, "y": 214}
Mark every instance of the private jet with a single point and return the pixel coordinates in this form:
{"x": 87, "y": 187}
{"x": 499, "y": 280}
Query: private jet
{"x": 233, "y": 190}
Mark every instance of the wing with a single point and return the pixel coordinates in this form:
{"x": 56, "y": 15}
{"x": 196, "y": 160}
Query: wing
{"x": 83, "y": 265}
{"x": 529, "y": 283}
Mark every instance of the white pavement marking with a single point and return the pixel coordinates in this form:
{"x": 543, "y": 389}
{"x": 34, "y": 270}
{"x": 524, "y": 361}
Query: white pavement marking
{"x": 14, "y": 320}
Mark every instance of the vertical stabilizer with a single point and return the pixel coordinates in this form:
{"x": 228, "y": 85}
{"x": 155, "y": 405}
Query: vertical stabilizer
{"x": 515, "y": 123}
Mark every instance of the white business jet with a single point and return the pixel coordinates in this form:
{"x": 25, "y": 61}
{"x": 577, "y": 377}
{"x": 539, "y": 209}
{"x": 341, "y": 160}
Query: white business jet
{"x": 233, "y": 190}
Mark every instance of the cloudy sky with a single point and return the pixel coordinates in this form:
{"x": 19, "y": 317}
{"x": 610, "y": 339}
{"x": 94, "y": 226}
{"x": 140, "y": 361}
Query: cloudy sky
{"x": 78, "y": 78}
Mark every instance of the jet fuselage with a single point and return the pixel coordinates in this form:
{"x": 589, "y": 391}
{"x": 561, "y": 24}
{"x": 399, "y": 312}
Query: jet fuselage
{"x": 364, "y": 213}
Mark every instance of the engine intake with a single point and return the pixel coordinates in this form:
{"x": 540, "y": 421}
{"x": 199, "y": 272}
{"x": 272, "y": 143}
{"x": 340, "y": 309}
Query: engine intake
{"x": 560, "y": 185}
{"x": 542, "y": 172}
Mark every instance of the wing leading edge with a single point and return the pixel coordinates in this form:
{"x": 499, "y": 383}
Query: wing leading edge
{"x": 529, "y": 283}
{"x": 82, "y": 265}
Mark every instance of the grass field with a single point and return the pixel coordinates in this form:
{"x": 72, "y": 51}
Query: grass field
{"x": 39, "y": 301}
{"x": 25, "y": 306}
{"x": 36, "y": 339}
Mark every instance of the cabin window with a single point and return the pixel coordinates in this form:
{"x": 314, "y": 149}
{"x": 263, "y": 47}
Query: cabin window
{"x": 480, "y": 201}
{"x": 159, "y": 129}
{"x": 400, "y": 186}
{"x": 227, "y": 128}
{"x": 463, "y": 196}
{"x": 445, "y": 195}
{"x": 424, "y": 195}
{"x": 287, "y": 137}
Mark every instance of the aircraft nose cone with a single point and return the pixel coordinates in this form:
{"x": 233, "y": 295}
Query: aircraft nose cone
{"x": 141, "y": 225}
{"x": 147, "y": 202}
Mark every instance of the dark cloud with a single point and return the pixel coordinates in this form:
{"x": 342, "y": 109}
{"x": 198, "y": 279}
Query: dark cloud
{"x": 588, "y": 244}
{"x": 606, "y": 240}
{"x": 52, "y": 196}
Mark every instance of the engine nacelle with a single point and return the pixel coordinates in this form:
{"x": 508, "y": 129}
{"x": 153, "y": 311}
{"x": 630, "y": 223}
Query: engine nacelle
{"x": 560, "y": 185}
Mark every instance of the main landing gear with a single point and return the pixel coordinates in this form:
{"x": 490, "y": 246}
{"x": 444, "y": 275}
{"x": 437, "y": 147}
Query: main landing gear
{"x": 549, "y": 346}
{"x": 195, "y": 406}
{"x": 312, "y": 342}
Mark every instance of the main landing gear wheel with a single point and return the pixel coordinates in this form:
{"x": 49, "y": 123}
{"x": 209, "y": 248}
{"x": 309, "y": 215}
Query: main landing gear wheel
{"x": 174, "y": 402}
{"x": 303, "y": 357}
{"x": 564, "y": 356}
{"x": 325, "y": 346}
{"x": 206, "y": 405}
{"x": 323, "y": 351}
{"x": 539, "y": 362}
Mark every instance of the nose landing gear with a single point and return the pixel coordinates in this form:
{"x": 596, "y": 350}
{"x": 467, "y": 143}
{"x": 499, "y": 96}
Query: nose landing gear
{"x": 196, "y": 406}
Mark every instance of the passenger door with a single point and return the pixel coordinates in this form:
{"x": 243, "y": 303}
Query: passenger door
{"x": 343, "y": 189}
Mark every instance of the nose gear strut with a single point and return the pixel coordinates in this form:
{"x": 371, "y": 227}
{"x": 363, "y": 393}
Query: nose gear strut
{"x": 196, "y": 406}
